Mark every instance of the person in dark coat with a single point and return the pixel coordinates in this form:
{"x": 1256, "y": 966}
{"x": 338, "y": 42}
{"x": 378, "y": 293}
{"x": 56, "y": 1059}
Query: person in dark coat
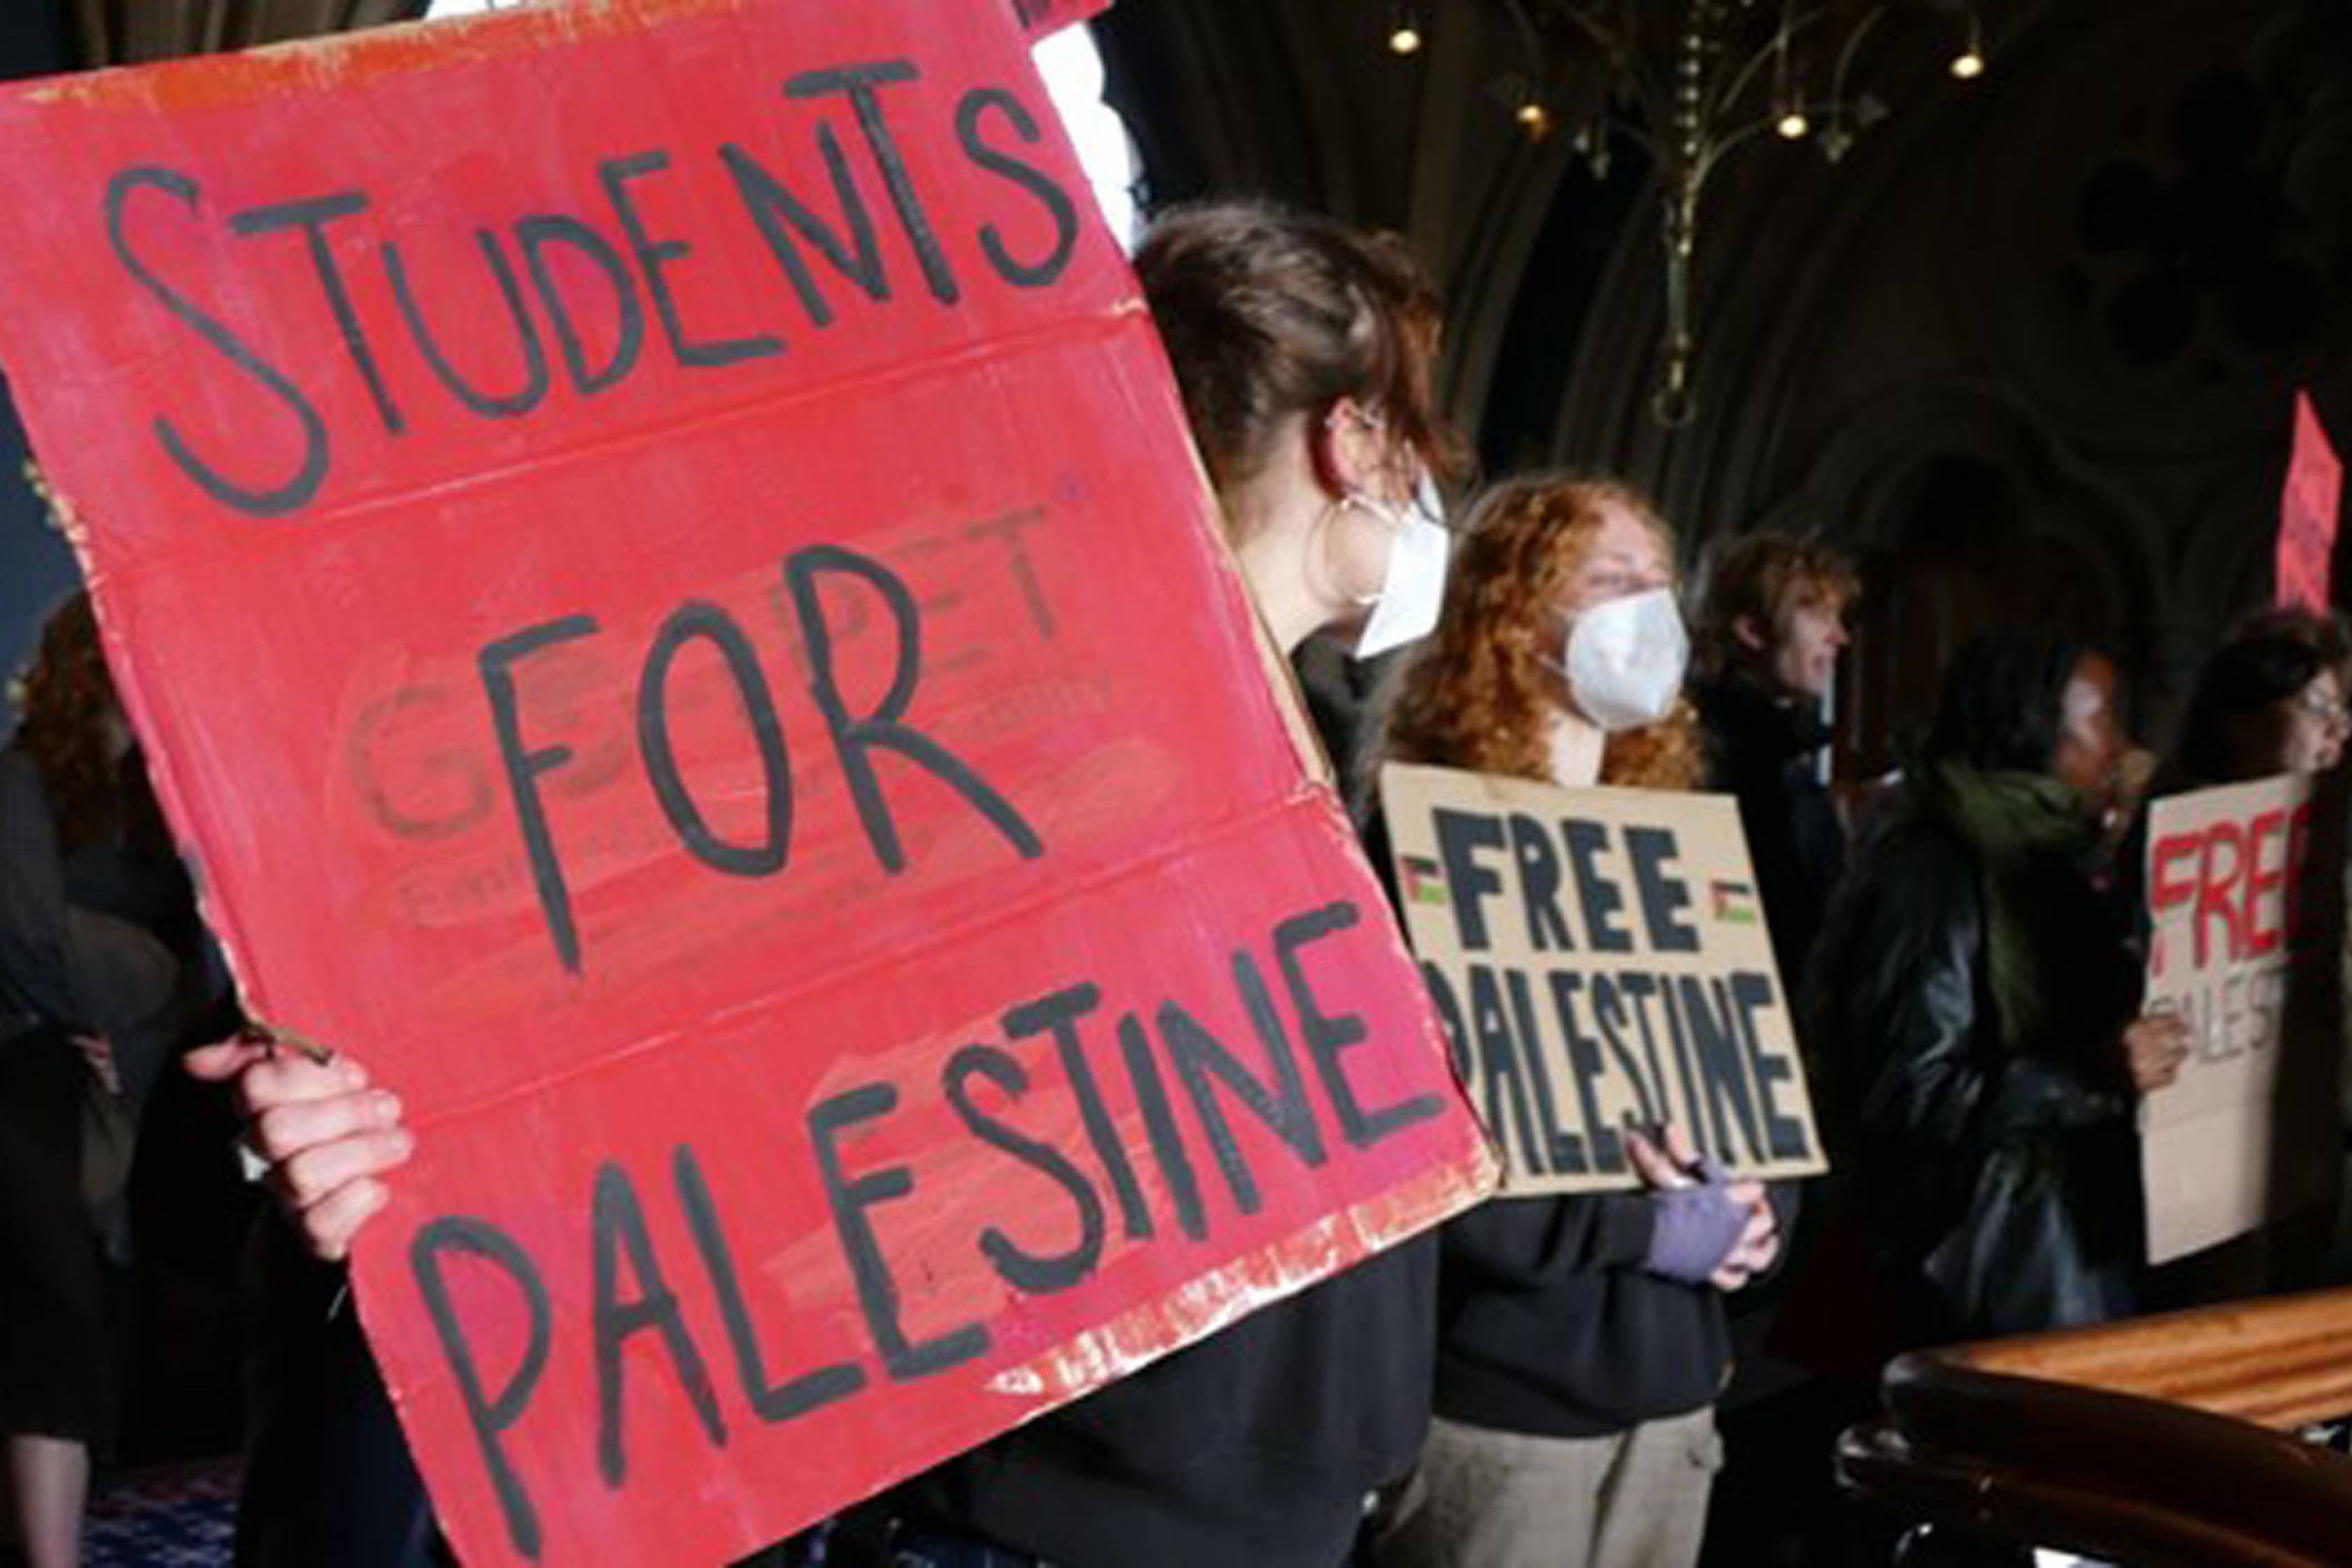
{"x": 1771, "y": 626}
{"x": 96, "y": 939}
{"x": 1973, "y": 1011}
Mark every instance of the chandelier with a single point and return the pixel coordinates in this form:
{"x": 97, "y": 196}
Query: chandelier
{"x": 1693, "y": 82}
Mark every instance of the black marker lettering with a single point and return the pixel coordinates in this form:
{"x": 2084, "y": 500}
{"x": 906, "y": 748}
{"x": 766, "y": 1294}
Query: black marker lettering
{"x": 877, "y": 1290}
{"x": 1030, "y": 1273}
{"x": 1663, "y": 894}
{"x": 1200, "y": 1056}
{"x": 524, "y": 768}
{"x": 771, "y": 1403}
{"x": 296, "y": 492}
{"x": 1638, "y": 990}
{"x": 1499, "y": 1066}
{"x": 654, "y": 255}
{"x": 534, "y": 235}
{"x": 1058, "y": 1016}
{"x": 1785, "y": 1136}
{"x": 1460, "y": 835}
{"x": 311, "y": 217}
{"x": 1449, "y": 1018}
{"x": 490, "y": 1417}
{"x": 1584, "y": 1061}
{"x": 618, "y": 1221}
{"x": 1723, "y": 1067}
{"x": 1056, "y": 201}
{"x": 856, "y": 739}
{"x": 535, "y": 379}
{"x": 716, "y": 627}
{"x": 1539, "y": 885}
{"x": 1563, "y": 1150}
{"x": 858, "y": 82}
{"x": 1326, "y": 1038}
{"x": 779, "y": 216}
{"x": 1159, "y": 1126}
{"x": 1600, "y": 897}
{"x": 1609, "y": 1016}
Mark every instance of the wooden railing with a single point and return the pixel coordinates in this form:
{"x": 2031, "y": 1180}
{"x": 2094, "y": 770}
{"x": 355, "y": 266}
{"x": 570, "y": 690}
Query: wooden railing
{"x": 2160, "y": 1443}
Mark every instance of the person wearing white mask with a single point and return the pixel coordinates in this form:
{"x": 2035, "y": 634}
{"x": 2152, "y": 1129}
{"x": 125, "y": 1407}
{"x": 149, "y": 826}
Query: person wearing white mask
{"x": 1306, "y": 354}
{"x": 1582, "y": 1340}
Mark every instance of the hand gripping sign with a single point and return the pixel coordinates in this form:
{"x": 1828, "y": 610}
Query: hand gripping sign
{"x": 655, "y": 556}
{"x": 1601, "y": 961}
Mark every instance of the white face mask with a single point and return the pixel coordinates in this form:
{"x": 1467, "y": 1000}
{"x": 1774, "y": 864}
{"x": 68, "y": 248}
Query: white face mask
{"x": 1412, "y": 589}
{"x": 1625, "y": 659}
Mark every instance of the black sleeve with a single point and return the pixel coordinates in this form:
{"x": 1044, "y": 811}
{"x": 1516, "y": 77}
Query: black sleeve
{"x": 1937, "y": 1084}
{"x": 1528, "y": 1244}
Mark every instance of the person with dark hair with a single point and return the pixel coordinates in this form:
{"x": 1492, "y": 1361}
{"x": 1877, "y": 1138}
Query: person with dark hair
{"x": 1582, "y": 1341}
{"x": 93, "y": 997}
{"x": 1771, "y": 623}
{"x": 1304, "y": 352}
{"x": 2269, "y": 700}
{"x": 1972, "y": 1011}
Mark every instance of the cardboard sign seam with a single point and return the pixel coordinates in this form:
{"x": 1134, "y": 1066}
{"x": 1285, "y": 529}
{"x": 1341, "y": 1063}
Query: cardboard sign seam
{"x": 1013, "y": 911}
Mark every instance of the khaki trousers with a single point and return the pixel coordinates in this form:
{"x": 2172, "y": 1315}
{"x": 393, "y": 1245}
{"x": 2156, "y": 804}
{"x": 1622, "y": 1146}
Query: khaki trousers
{"x": 1502, "y": 1499}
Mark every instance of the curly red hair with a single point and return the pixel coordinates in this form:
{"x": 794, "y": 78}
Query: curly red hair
{"x": 1479, "y": 692}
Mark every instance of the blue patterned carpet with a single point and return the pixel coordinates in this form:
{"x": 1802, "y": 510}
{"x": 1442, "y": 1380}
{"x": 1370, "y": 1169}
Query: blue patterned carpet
{"x": 182, "y": 1516}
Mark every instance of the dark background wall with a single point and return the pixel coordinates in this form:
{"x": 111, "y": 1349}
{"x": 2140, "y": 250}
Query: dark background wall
{"x": 35, "y": 567}
{"x": 2030, "y": 350}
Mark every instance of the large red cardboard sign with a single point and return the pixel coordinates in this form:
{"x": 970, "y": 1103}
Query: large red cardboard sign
{"x": 656, "y": 555}
{"x": 2307, "y": 512}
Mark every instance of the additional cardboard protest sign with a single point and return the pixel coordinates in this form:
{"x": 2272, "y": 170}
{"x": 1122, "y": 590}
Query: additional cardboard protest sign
{"x": 657, "y": 560}
{"x": 1600, "y": 958}
{"x": 2307, "y": 513}
{"x": 2245, "y": 913}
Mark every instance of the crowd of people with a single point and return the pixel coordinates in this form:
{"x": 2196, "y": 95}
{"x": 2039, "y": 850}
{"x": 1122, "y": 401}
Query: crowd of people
{"x": 1537, "y": 1383}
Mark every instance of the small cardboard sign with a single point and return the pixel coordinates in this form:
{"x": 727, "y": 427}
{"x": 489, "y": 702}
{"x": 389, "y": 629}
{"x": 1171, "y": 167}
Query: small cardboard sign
{"x": 2244, "y": 906}
{"x": 657, "y": 558}
{"x": 1600, "y": 958}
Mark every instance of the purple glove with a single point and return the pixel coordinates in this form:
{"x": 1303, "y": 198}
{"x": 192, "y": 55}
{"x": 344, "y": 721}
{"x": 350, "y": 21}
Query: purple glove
{"x": 1696, "y": 1229}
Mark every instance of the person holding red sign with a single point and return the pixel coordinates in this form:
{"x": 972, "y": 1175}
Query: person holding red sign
{"x": 1582, "y": 1340}
{"x": 1305, "y": 355}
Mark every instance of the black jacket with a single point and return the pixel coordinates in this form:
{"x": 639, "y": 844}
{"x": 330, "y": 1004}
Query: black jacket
{"x": 2000, "y": 1177}
{"x": 1762, "y": 753}
{"x": 1548, "y": 1325}
{"x": 1257, "y": 1446}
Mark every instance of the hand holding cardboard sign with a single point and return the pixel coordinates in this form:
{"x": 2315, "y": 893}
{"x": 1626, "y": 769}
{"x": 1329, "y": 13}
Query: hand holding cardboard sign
{"x": 1710, "y": 1229}
{"x": 325, "y": 1134}
{"x": 2155, "y": 1046}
